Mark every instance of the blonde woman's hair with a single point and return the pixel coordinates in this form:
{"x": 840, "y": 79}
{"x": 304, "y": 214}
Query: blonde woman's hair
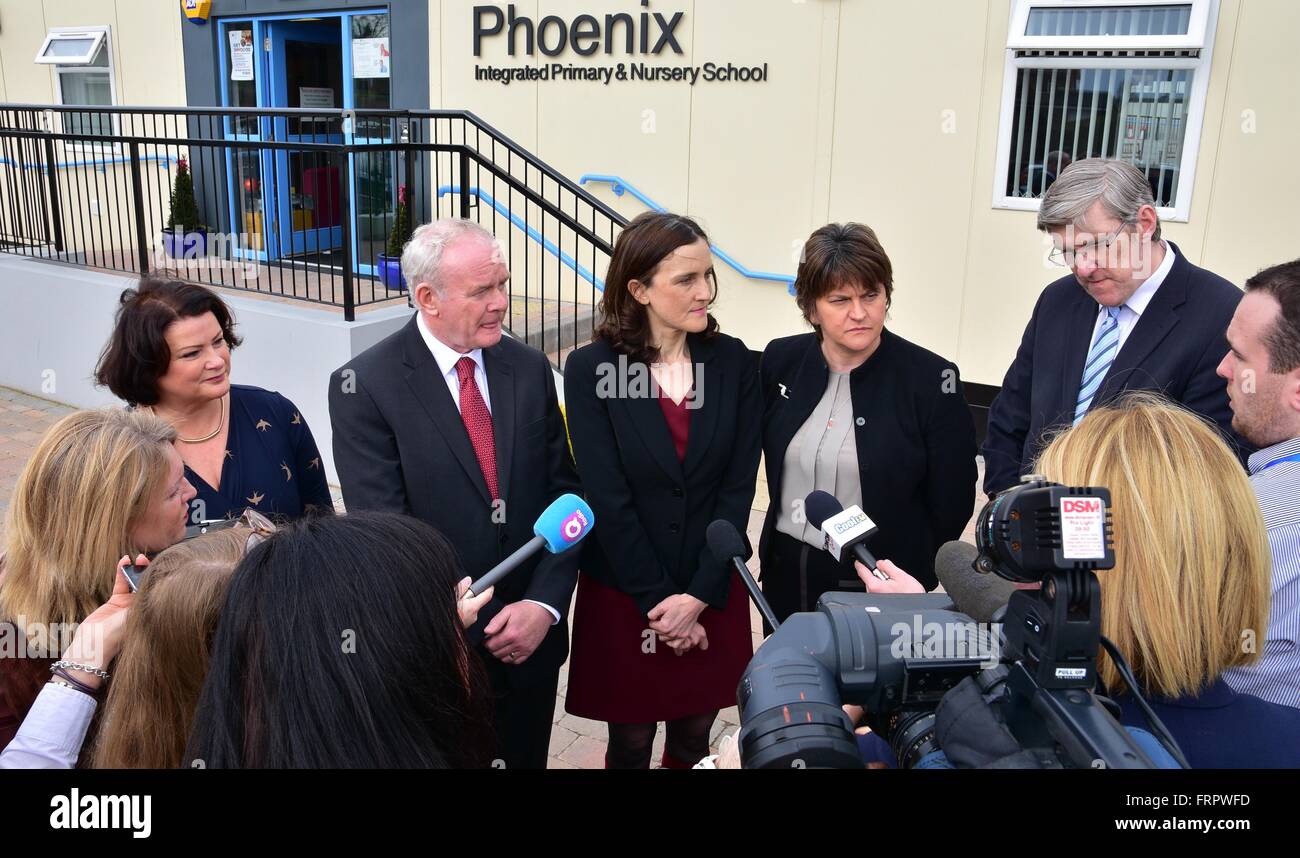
{"x": 1189, "y": 595}
{"x": 164, "y": 660}
{"x": 85, "y": 488}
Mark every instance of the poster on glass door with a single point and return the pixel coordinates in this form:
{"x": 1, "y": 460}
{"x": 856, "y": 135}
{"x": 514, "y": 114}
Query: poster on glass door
{"x": 241, "y": 54}
{"x": 370, "y": 58}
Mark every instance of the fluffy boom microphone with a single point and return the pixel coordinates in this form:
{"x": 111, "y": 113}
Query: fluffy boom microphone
{"x": 979, "y": 595}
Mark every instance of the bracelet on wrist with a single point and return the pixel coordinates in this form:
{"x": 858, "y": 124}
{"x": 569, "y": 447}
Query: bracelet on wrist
{"x": 85, "y": 668}
{"x": 69, "y": 679}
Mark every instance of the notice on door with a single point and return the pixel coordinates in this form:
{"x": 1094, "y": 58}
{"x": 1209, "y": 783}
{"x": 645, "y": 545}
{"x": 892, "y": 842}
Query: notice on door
{"x": 370, "y": 58}
{"x": 241, "y": 54}
{"x": 315, "y": 96}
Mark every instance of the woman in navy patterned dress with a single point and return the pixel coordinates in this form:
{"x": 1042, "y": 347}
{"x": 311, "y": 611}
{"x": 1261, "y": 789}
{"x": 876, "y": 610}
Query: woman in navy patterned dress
{"x": 243, "y": 447}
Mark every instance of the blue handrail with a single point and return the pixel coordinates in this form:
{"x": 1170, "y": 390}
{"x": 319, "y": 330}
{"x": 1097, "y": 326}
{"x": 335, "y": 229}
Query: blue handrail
{"x": 98, "y": 162}
{"x": 549, "y": 246}
{"x": 619, "y": 186}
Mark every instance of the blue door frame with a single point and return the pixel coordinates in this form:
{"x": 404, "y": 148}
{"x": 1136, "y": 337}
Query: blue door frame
{"x": 279, "y": 239}
{"x": 315, "y": 237}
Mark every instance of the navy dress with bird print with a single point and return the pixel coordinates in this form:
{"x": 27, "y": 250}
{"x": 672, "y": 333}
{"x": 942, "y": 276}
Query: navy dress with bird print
{"x": 272, "y": 463}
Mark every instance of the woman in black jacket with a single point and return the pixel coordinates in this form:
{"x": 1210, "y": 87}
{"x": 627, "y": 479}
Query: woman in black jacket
{"x": 861, "y": 413}
{"x": 664, "y": 413}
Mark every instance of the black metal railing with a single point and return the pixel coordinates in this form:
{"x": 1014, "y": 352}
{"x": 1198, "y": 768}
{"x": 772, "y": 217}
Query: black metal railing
{"x": 299, "y": 204}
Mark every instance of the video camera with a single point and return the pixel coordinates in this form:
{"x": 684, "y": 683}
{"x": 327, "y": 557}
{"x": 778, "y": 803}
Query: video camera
{"x": 897, "y": 656}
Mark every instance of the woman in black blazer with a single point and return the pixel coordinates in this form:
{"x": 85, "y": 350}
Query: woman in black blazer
{"x": 664, "y": 413}
{"x": 861, "y": 413}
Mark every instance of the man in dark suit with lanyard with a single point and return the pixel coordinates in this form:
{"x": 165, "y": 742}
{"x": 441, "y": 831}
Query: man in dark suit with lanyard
{"x": 1134, "y": 315}
{"x": 451, "y": 422}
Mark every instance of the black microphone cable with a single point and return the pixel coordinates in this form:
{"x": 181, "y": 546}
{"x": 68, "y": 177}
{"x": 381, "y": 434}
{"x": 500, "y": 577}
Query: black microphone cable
{"x": 1158, "y": 727}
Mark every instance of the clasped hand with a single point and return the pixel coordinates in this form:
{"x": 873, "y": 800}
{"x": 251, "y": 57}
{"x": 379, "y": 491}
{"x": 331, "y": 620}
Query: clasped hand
{"x": 675, "y": 621}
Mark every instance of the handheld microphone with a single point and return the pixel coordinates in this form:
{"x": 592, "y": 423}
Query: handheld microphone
{"x": 561, "y": 526}
{"x": 845, "y": 531}
{"x": 976, "y": 594}
{"x": 727, "y": 547}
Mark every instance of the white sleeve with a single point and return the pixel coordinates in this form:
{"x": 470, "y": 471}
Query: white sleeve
{"x": 51, "y": 735}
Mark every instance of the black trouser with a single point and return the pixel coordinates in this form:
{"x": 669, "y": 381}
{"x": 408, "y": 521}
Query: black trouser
{"x": 523, "y": 721}
{"x": 795, "y": 575}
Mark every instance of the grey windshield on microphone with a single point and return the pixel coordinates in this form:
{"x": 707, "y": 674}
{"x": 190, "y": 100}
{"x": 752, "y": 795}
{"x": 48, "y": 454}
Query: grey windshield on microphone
{"x": 975, "y": 594}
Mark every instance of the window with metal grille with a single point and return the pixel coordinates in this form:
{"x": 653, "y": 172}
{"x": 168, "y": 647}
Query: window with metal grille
{"x": 1104, "y": 79}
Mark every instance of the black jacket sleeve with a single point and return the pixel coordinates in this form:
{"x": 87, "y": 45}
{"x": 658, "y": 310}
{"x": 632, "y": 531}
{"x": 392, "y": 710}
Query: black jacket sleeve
{"x": 950, "y": 459}
{"x": 711, "y": 582}
{"x": 365, "y": 448}
{"x": 1008, "y": 426}
{"x": 557, "y": 574}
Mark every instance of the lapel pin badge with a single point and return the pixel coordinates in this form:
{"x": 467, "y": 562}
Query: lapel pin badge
{"x": 785, "y": 391}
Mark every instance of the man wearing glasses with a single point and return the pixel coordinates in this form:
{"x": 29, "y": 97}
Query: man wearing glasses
{"x": 1135, "y": 314}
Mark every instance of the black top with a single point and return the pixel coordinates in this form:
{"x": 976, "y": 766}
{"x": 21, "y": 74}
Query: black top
{"x": 652, "y": 509}
{"x": 915, "y": 439}
{"x": 1175, "y": 348}
{"x": 272, "y": 464}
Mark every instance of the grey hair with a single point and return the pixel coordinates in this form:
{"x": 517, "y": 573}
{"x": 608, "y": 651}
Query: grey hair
{"x": 1121, "y": 188}
{"x": 422, "y": 256}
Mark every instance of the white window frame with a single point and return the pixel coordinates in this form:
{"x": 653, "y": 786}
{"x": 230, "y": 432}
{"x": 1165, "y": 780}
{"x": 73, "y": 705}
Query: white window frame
{"x": 105, "y": 40}
{"x": 1201, "y": 30}
{"x": 98, "y": 35}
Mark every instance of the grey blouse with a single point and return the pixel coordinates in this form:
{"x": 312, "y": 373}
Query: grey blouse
{"x": 823, "y": 455}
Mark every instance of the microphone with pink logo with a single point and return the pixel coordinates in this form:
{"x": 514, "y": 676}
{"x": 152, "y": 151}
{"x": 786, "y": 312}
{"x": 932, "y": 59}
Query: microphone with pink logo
{"x": 560, "y": 527}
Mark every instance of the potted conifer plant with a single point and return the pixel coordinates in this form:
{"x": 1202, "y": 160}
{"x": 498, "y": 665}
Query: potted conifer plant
{"x": 186, "y": 236}
{"x": 389, "y": 264}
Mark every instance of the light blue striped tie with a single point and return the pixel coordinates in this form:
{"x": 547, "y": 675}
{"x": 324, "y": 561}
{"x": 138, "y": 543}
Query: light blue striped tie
{"x": 1100, "y": 357}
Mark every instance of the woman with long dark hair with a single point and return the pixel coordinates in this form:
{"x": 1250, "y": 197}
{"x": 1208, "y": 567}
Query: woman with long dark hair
{"x": 664, "y": 413}
{"x": 340, "y": 646}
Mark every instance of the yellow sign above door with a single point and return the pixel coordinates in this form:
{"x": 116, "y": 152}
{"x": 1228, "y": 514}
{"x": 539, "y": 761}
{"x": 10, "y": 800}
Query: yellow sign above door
{"x": 197, "y": 10}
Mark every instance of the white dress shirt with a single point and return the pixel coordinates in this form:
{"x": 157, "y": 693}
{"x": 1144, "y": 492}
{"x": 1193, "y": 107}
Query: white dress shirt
{"x": 447, "y": 358}
{"x": 1137, "y": 304}
{"x": 51, "y": 735}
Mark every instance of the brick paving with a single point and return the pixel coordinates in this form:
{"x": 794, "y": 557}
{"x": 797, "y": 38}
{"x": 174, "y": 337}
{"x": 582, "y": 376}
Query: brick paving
{"x": 576, "y": 743}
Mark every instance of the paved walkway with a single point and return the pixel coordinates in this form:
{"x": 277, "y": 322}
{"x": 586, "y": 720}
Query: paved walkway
{"x": 576, "y": 743}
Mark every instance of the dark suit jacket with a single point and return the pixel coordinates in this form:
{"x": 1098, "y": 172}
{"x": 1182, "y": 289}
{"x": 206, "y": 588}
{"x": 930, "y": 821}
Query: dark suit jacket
{"x": 652, "y": 509}
{"x": 1174, "y": 349}
{"x": 400, "y": 446}
{"x": 915, "y": 438}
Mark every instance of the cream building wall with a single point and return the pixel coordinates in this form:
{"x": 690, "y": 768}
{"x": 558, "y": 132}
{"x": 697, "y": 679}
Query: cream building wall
{"x": 145, "y": 37}
{"x": 881, "y": 111}
{"x": 888, "y": 113}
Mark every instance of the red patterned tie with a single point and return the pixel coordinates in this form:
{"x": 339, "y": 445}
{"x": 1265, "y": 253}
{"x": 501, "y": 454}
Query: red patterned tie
{"x": 478, "y": 423}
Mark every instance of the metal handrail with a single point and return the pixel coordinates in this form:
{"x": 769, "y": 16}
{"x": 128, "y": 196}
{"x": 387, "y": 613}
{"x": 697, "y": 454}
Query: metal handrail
{"x": 106, "y": 222}
{"x": 620, "y": 186}
{"x": 548, "y": 245}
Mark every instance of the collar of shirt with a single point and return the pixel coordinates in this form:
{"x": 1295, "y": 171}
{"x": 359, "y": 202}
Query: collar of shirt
{"x": 1147, "y": 291}
{"x": 1261, "y": 459}
{"x": 1132, "y": 309}
{"x": 447, "y": 357}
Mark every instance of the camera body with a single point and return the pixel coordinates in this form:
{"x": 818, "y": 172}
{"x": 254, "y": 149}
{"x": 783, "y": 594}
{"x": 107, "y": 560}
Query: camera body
{"x": 897, "y": 656}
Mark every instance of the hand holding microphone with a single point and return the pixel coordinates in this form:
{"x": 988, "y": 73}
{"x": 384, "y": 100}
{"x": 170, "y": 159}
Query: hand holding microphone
{"x": 468, "y": 605}
{"x": 845, "y": 531}
{"x": 518, "y": 629}
{"x": 887, "y": 578}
